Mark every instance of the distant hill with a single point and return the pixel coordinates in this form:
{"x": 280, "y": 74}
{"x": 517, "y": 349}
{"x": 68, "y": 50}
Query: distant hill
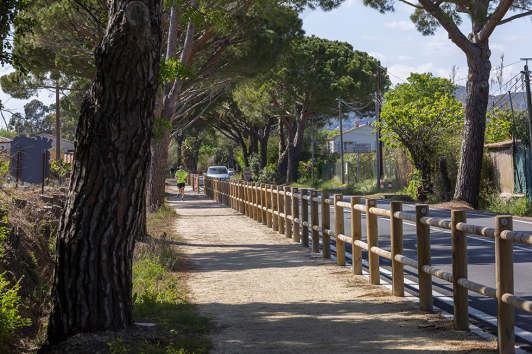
{"x": 500, "y": 101}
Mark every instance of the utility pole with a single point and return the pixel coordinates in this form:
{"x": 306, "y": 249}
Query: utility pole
{"x": 341, "y": 139}
{"x": 377, "y": 144}
{"x": 528, "y": 99}
{"x": 379, "y": 148}
{"x": 57, "y": 125}
{"x": 312, "y": 118}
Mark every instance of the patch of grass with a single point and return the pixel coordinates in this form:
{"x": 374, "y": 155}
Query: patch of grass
{"x": 10, "y": 320}
{"x": 182, "y": 345}
{"x": 159, "y": 294}
{"x": 516, "y": 206}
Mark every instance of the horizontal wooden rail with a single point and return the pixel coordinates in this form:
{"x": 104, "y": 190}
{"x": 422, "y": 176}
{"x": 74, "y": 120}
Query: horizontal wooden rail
{"x": 476, "y": 230}
{"x": 361, "y": 244}
{"x": 478, "y": 288}
{"x": 407, "y": 261}
{"x": 405, "y": 216}
{"x": 379, "y": 211}
{"x": 438, "y": 273}
{"x": 517, "y": 302}
{"x": 516, "y": 236}
{"x": 444, "y": 224}
{"x": 381, "y": 252}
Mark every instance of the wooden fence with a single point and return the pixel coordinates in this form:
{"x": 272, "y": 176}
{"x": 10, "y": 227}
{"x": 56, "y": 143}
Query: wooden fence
{"x": 279, "y": 208}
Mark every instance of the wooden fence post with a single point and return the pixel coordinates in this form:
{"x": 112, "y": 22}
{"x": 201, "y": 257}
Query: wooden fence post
{"x": 253, "y": 201}
{"x": 339, "y": 230}
{"x": 280, "y": 205}
{"x": 268, "y": 205}
{"x": 423, "y": 258}
{"x": 314, "y": 222}
{"x": 258, "y": 194}
{"x": 241, "y": 197}
{"x": 198, "y": 178}
{"x": 275, "y": 218}
{"x": 459, "y": 246}
{"x": 373, "y": 241}
{"x": 287, "y": 213}
{"x": 504, "y": 276}
{"x": 263, "y": 203}
{"x": 295, "y": 215}
{"x": 325, "y": 224}
{"x": 356, "y": 234}
{"x": 396, "y": 227}
{"x": 247, "y": 198}
{"x": 304, "y": 217}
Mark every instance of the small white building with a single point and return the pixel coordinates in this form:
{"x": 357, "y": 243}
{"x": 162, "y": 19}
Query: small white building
{"x": 5, "y": 144}
{"x": 357, "y": 135}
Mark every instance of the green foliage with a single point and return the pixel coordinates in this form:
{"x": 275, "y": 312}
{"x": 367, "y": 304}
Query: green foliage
{"x": 59, "y": 168}
{"x": 414, "y": 185}
{"x": 172, "y": 69}
{"x": 10, "y": 302}
{"x": 9, "y": 11}
{"x": 254, "y": 163}
{"x": 500, "y": 126}
{"x": 420, "y": 116}
{"x": 515, "y": 206}
{"x": 305, "y": 170}
{"x": 268, "y": 174}
{"x": 36, "y": 119}
{"x": 318, "y": 71}
{"x": 160, "y": 127}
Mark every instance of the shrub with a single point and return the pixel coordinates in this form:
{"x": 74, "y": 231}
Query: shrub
{"x": 268, "y": 174}
{"x": 10, "y": 320}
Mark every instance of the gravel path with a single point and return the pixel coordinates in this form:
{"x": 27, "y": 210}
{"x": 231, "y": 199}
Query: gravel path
{"x": 266, "y": 294}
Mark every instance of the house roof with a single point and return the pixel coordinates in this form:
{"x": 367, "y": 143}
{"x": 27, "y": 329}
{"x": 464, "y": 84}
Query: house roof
{"x": 349, "y": 130}
{"x": 5, "y": 140}
{"x": 500, "y": 145}
{"x": 52, "y": 136}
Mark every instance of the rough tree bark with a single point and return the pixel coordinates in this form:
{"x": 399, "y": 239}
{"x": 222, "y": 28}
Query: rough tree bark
{"x": 93, "y": 277}
{"x": 468, "y": 179}
{"x": 157, "y": 174}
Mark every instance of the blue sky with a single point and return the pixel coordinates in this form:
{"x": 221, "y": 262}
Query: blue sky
{"x": 393, "y": 39}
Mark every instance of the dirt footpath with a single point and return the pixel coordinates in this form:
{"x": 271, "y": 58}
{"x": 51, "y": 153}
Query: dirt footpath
{"x": 266, "y": 294}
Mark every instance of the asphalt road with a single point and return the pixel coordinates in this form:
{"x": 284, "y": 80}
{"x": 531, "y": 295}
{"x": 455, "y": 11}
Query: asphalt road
{"x": 481, "y": 259}
{"x": 481, "y": 262}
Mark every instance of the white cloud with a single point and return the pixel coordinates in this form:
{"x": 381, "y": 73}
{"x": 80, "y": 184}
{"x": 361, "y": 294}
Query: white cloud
{"x": 389, "y": 59}
{"x": 498, "y": 47}
{"x": 402, "y": 25}
{"x": 372, "y": 38}
{"x": 440, "y": 45}
{"x": 400, "y": 72}
{"x": 6, "y": 70}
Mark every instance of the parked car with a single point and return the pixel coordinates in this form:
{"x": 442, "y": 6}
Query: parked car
{"x": 231, "y": 171}
{"x": 217, "y": 172}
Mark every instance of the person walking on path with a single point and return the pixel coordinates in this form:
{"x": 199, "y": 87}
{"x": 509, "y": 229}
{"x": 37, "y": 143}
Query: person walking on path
{"x": 181, "y": 176}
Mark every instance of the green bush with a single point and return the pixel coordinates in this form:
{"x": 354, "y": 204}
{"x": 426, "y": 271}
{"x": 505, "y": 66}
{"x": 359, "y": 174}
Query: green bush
{"x": 10, "y": 319}
{"x": 268, "y": 174}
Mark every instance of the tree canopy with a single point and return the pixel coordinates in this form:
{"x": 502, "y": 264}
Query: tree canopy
{"x": 420, "y": 115}
{"x": 485, "y": 16}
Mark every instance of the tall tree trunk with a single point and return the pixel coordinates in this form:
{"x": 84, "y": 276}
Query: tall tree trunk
{"x": 157, "y": 172}
{"x": 294, "y": 153}
{"x": 468, "y": 180}
{"x": 283, "y": 160}
{"x": 94, "y": 249}
{"x": 179, "y": 140}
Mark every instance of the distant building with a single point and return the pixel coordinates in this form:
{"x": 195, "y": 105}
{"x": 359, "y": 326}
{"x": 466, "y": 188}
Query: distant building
{"x": 357, "y": 135}
{"x": 5, "y": 144}
{"x": 66, "y": 146}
